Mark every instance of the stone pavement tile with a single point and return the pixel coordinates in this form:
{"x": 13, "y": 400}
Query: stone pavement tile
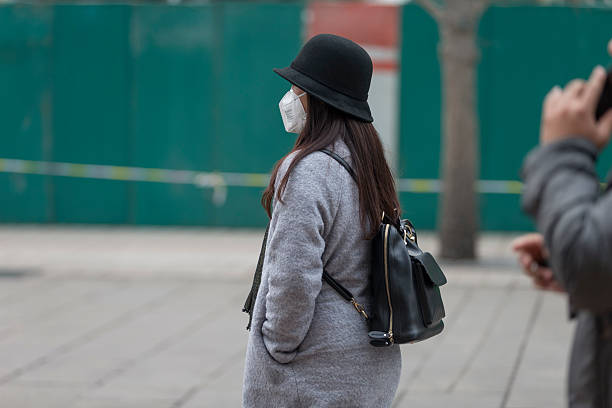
{"x": 16, "y": 289}
{"x": 147, "y": 334}
{"x": 134, "y": 398}
{"x": 37, "y": 340}
{"x": 36, "y": 396}
{"x": 467, "y": 276}
{"x": 415, "y": 356}
{"x": 134, "y": 390}
{"x": 539, "y": 396}
{"x": 490, "y": 368}
{"x": 463, "y": 338}
{"x": 541, "y": 377}
{"x": 37, "y": 345}
{"x": 224, "y": 390}
{"x": 53, "y": 299}
{"x": 447, "y": 400}
{"x": 191, "y": 362}
{"x": 136, "y": 252}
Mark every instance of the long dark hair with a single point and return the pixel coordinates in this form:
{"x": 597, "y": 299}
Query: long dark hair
{"x": 324, "y": 126}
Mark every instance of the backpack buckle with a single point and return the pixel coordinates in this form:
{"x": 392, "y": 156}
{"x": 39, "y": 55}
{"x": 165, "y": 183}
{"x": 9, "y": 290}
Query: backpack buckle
{"x": 408, "y": 235}
{"x": 359, "y": 308}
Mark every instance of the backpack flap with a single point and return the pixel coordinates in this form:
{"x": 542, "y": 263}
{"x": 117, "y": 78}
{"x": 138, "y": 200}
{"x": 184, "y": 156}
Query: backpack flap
{"x": 428, "y": 278}
{"x": 434, "y": 273}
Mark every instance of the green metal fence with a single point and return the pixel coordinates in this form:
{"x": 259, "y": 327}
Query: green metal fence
{"x": 185, "y": 88}
{"x": 525, "y": 51}
{"x": 191, "y": 88}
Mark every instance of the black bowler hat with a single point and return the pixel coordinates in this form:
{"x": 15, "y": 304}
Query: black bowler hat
{"x": 335, "y": 70}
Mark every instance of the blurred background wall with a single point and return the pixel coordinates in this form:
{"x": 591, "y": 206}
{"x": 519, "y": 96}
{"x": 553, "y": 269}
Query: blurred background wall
{"x": 191, "y": 87}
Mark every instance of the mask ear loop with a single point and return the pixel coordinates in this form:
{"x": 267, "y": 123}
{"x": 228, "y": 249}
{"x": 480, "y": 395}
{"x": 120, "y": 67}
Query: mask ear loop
{"x": 300, "y": 95}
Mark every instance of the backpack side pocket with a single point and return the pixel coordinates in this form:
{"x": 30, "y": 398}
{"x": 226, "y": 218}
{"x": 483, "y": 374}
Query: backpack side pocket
{"x": 428, "y": 278}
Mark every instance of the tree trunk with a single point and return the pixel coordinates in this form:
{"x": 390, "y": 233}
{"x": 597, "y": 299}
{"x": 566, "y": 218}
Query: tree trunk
{"x": 459, "y": 55}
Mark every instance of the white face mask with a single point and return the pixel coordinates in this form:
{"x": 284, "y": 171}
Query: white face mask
{"x": 292, "y": 112}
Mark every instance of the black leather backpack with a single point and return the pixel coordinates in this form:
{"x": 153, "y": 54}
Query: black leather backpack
{"x": 405, "y": 281}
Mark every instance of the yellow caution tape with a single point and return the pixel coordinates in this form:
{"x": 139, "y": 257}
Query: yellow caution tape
{"x": 213, "y": 179}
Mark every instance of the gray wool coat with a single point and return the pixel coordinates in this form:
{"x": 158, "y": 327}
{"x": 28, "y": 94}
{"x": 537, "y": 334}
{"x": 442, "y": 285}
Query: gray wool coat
{"x": 308, "y": 347}
{"x": 563, "y": 193}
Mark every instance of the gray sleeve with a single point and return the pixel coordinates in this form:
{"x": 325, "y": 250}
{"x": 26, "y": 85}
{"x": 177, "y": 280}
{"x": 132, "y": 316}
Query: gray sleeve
{"x": 294, "y": 262}
{"x": 563, "y": 194}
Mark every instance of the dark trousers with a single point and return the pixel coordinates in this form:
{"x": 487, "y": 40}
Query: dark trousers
{"x": 590, "y": 370}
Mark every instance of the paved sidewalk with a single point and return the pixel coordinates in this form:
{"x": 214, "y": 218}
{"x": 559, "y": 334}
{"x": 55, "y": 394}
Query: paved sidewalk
{"x": 150, "y": 317}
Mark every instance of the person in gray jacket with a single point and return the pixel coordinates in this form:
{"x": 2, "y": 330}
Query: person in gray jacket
{"x": 562, "y": 192}
{"x": 308, "y": 347}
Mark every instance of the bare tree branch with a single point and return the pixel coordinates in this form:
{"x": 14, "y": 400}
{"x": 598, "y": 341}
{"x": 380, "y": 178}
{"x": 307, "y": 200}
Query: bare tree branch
{"x": 432, "y": 8}
{"x": 552, "y": 2}
{"x": 482, "y": 6}
{"x": 478, "y": 7}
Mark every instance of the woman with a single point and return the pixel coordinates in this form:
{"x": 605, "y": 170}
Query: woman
{"x": 308, "y": 346}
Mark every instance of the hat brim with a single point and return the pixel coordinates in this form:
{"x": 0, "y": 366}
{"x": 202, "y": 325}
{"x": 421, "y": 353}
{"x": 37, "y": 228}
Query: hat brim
{"x": 355, "y": 107}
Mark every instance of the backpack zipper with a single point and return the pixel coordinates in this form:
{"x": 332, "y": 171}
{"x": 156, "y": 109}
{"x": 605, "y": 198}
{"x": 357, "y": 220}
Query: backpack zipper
{"x": 385, "y": 252}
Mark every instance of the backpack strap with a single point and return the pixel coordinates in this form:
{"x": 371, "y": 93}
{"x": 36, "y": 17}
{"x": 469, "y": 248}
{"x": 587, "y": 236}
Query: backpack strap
{"x": 342, "y": 162}
{"x": 342, "y": 291}
{"x": 249, "y": 304}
